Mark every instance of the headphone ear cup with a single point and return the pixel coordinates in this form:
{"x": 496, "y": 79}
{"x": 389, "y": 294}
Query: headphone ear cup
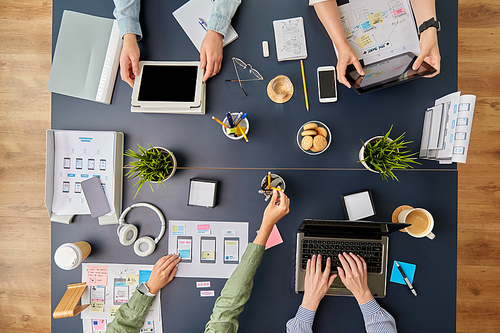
{"x": 128, "y": 234}
{"x": 148, "y": 246}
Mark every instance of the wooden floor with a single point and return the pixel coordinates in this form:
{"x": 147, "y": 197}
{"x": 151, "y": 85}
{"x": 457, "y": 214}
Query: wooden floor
{"x": 25, "y": 55}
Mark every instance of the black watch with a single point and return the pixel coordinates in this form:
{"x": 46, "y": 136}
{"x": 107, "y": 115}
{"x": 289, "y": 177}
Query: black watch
{"x": 429, "y": 24}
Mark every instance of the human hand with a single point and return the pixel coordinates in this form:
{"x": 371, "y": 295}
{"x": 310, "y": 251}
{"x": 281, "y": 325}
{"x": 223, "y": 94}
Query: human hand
{"x": 278, "y": 206}
{"x": 129, "y": 59}
{"x": 163, "y": 272}
{"x": 316, "y": 283}
{"x": 347, "y": 57}
{"x": 211, "y": 54}
{"x": 429, "y": 51}
{"x": 354, "y": 277}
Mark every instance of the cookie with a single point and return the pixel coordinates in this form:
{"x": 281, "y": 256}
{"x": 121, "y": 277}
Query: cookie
{"x": 309, "y": 132}
{"x": 322, "y": 131}
{"x": 314, "y": 150}
{"x": 319, "y": 142}
{"x": 307, "y": 142}
{"x": 310, "y": 126}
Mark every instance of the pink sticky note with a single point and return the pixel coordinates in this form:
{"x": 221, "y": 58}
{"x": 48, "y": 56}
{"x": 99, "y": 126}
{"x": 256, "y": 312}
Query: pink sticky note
{"x": 97, "y": 275}
{"x": 203, "y": 226}
{"x": 99, "y": 324}
{"x": 274, "y": 239}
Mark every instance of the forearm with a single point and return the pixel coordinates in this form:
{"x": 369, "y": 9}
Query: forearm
{"x": 130, "y": 316}
{"x": 328, "y": 14}
{"x": 376, "y": 318}
{"x": 236, "y": 292}
{"x": 302, "y": 322}
{"x": 222, "y": 13}
{"x": 423, "y": 10}
{"x": 126, "y": 13}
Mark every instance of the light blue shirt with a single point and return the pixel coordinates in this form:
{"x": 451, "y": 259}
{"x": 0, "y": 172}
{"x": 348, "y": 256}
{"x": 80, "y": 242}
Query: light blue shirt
{"x": 127, "y": 15}
{"x": 377, "y": 320}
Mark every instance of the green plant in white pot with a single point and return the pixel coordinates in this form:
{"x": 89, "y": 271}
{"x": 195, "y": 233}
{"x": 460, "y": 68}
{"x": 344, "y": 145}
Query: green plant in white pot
{"x": 381, "y": 154}
{"x": 153, "y": 165}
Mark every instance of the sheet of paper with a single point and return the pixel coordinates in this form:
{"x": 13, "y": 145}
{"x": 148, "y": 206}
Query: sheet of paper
{"x": 203, "y": 229}
{"x": 99, "y": 325}
{"x": 274, "y": 238}
{"x": 79, "y": 156}
{"x": 290, "y": 38}
{"x": 409, "y": 270}
{"x": 377, "y": 30}
{"x": 218, "y": 230}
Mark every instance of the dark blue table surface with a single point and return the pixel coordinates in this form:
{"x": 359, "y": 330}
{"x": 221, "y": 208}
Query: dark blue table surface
{"x": 314, "y": 183}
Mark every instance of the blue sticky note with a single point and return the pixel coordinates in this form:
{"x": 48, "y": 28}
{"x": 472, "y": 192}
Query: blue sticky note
{"x": 144, "y": 276}
{"x": 185, "y": 254}
{"x": 409, "y": 270}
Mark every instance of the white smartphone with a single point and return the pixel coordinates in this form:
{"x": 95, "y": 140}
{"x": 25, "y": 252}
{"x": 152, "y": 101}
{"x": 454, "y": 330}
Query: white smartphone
{"x": 231, "y": 250}
{"x": 327, "y": 84}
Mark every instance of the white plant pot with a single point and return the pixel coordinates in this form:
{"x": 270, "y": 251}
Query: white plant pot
{"x": 361, "y": 154}
{"x": 174, "y": 164}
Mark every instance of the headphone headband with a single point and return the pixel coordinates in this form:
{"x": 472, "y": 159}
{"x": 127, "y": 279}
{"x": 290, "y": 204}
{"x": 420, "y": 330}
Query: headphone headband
{"x": 121, "y": 220}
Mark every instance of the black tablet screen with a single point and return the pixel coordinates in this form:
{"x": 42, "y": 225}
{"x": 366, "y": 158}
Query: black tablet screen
{"x": 168, "y": 83}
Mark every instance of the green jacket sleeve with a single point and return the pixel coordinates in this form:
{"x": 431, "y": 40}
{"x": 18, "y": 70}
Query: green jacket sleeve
{"x": 235, "y": 293}
{"x": 130, "y": 316}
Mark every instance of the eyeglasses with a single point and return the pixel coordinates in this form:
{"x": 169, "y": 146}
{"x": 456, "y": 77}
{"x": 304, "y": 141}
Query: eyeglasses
{"x": 253, "y": 71}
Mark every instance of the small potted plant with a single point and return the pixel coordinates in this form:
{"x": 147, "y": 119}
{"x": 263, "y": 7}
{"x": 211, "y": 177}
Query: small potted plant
{"x": 381, "y": 154}
{"x": 153, "y": 165}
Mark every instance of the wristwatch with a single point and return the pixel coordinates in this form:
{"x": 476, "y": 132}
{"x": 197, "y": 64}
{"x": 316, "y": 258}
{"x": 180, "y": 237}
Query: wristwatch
{"x": 429, "y": 24}
{"x": 143, "y": 289}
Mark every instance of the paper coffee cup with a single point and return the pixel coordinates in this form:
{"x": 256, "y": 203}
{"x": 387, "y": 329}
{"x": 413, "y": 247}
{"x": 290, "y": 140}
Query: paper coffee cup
{"x": 70, "y": 255}
{"x": 421, "y": 222}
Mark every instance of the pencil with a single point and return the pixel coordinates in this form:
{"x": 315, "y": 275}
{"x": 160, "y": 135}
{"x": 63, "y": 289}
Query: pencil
{"x": 220, "y": 122}
{"x": 305, "y": 87}
{"x": 276, "y": 188}
{"x": 269, "y": 179}
{"x": 243, "y": 133}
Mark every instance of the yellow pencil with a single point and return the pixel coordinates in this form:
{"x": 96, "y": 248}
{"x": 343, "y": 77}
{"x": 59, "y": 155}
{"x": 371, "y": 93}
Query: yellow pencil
{"x": 220, "y": 122}
{"x": 276, "y": 188}
{"x": 243, "y": 133}
{"x": 305, "y": 87}
{"x": 269, "y": 179}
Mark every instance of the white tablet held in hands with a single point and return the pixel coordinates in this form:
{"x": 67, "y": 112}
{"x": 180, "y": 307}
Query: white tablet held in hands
{"x": 169, "y": 87}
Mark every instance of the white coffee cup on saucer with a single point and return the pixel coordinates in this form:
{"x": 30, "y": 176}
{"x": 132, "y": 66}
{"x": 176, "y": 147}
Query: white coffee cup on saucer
{"x": 421, "y": 222}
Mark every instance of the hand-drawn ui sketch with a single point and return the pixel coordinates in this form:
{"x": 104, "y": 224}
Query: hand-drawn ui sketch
{"x": 290, "y": 39}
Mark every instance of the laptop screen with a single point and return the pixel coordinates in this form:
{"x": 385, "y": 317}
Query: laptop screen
{"x": 338, "y": 228}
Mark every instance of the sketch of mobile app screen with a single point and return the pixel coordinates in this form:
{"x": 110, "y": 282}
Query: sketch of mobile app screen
{"x": 148, "y": 327}
{"x": 65, "y": 187}
{"x": 120, "y": 294}
{"x": 207, "y": 249}
{"x": 67, "y": 163}
{"x": 79, "y": 163}
{"x": 78, "y": 187}
{"x": 97, "y": 293}
{"x": 231, "y": 250}
{"x": 102, "y": 165}
{"x": 91, "y": 164}
{"x": 185, "y": 247}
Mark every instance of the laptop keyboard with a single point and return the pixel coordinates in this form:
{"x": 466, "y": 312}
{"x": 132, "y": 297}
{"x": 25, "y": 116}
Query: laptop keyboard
{"x": 371, "y": 252}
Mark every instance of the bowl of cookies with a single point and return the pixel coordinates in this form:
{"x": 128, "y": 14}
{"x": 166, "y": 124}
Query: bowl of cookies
{"x": 314, "y": 137}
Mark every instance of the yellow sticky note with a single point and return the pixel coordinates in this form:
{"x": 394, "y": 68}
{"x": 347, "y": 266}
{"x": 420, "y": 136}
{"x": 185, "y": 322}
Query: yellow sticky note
{"x": 207, "y": 255}
{"x": 132, "y": 279}
{"x": 375, "y": 18}
{"x": 112, "y": 311}
{"x": 377, "y": 74}
{"x": 97, "y": 306}
{"x": 364, "y": 40}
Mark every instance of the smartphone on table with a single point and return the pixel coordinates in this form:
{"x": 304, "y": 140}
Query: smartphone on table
{"x": 327, "y": 84}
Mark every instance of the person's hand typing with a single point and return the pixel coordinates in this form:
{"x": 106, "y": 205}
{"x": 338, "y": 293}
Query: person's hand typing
{"x": 429, "y": 51}
{"x": 316, "y": 283}
{"x": 129, "y": 59}
{"x": 211, "y": 54}
{"x": 163, "y": 272}
{"x": 354, "y": 276}
{"x": 347, "y": 57}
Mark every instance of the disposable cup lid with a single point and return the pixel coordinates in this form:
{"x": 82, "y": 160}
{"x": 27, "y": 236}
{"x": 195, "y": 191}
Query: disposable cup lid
{"x": 66, "y": 257}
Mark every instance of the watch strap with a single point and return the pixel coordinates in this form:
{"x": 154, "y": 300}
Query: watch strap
{"x": 430, "y": 23}
{"x": 143, "y": 289}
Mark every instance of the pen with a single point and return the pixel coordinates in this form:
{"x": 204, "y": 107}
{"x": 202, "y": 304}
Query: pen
{"x": 305, "y": 87}
{"x": 237, "y": 120}
{"x": 202, "y": 23}
{"x": 229, "y": 119}
{"x": 406, "y": 279}
{"x": 243, "y": 116}
{"x": 243, "y": 133}
{"x": 220, "y": 122}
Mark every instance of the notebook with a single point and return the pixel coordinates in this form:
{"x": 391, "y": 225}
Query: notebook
{"x": 189, "y": 15}
{"x": 86, "y": 57}
{"x": 328, "y": 238}
{"x": 290, "y": 39}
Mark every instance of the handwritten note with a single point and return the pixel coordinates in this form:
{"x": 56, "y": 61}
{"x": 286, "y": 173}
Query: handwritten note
{"x": 97, "y": 275}
{"x": 99, "y": 324}
{"x": 97, "y": 306}
{"x": 375, "y": 18}
{"x": 364, "y": 40}
{"x": 112, "y": 311}
{"x": 132, "y": 279}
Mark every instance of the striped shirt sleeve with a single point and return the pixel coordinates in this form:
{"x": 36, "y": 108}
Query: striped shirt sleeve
{"x": 302, "y": 322}
{"x": 377, "y": 320}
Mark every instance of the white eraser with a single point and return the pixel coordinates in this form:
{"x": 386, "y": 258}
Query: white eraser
{"x": 265, "y": 49}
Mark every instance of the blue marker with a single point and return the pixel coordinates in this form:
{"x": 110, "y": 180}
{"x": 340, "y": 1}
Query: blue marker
{"x": 229, "y": 119}
{"x": 237, "y": 119}
{"x": 202, "y": 23}
{"x": 241, "y": 118}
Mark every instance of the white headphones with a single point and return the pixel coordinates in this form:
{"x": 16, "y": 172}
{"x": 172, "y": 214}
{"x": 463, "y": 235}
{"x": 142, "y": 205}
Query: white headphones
{"x": 127, "y": 233}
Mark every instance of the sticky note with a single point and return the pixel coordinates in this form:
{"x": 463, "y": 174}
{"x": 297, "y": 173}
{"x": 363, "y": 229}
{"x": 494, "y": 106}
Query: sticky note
{"x": 112, "y": 311}
{"x": 178, "y": 230}
{"x": 143, "y": 276}
{"x": 398, "y": 11}
{"x": 97, "y": 275}
{"x": 229, "y": 232}
{"x": 207, "y": 293}
{"x": 185, "y": 254}
{"x": 97, "y": 306}
{"x": 203, "y": 284}
{"x": 99, "y": 324}
{"x": 203, "y": 229}
{"x": 409, "y": 270}
{"x": 364, "y": 40}
{"x": 274, "y": 239}
{"x": 132, "y": 279}
{"x": 375, "y": 18}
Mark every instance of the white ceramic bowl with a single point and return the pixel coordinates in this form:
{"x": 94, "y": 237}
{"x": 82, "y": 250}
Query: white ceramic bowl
{"x": 328, "y": 137}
